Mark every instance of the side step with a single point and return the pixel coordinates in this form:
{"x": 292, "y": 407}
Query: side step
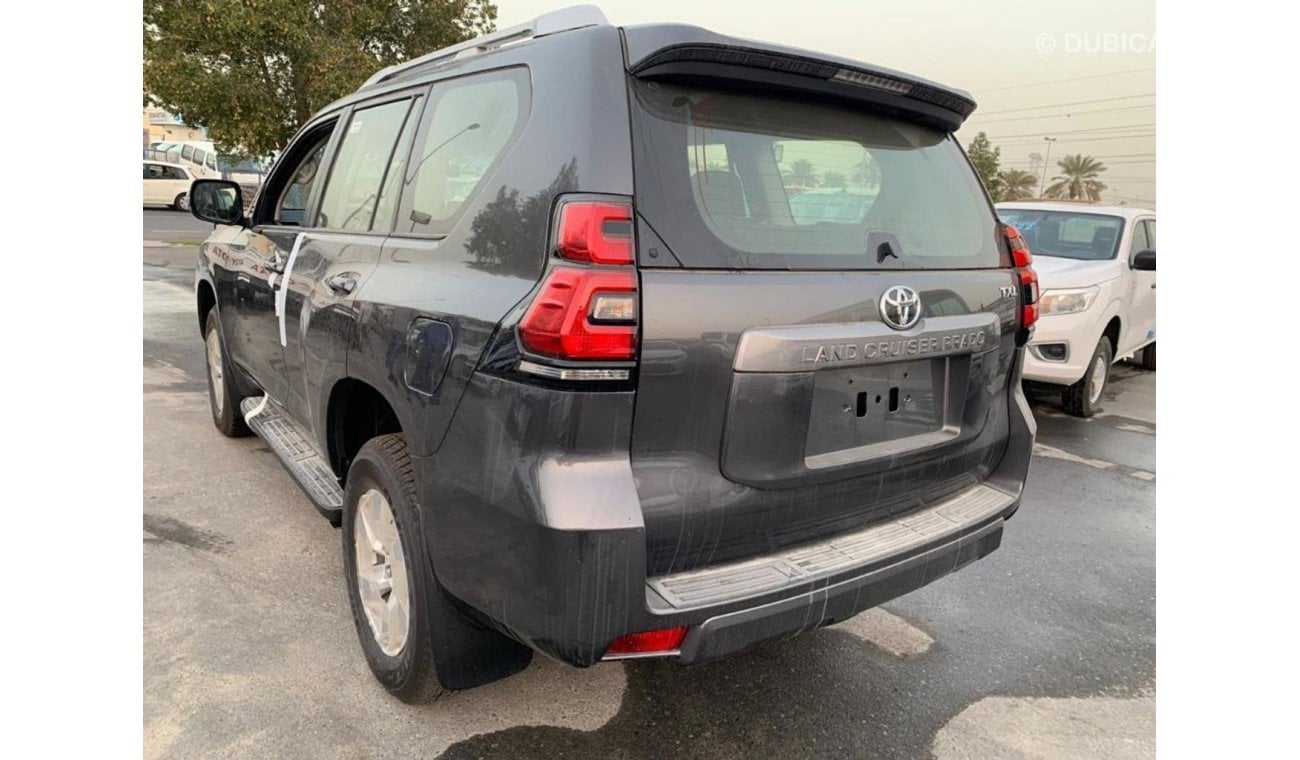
{"x": 298, "y": 454}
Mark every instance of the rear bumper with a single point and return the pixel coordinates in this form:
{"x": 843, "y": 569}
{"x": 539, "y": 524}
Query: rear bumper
{"x": 726, "y": 634}
{"x": 550, "y": 548}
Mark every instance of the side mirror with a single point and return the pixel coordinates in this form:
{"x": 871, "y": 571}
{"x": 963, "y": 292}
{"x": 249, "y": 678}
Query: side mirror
{"x": 1145, "y": 261}
{"x": 218, "y": 201}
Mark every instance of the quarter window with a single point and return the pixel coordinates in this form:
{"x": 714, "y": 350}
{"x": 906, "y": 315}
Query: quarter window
{"x": 467, "y": 128}
{"x": 292, "y": 207}
{"x": 358, "y": 169}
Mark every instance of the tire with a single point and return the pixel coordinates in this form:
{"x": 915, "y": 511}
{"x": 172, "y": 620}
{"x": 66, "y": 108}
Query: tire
{"x": 1148, "y": 359}
{"x": 223, "y": 397}
{"x": 1083, "y": 398}
{"x": 182, "y": 202}
{"x": 439, "y": 649}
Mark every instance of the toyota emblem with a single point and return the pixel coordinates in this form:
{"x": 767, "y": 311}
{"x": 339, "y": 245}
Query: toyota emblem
{"x": 900, "y": 307}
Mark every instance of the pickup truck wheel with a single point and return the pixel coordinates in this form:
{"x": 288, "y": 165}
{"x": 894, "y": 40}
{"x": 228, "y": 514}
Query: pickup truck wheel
{"x": 223, "y": 399}
{"x": 1149, "y": 357}
{"x": 1082, "y": 398}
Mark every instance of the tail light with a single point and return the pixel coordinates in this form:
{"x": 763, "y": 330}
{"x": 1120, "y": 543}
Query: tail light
{"x": 663, "y": 641}
{"x": 1023, "y": 261}
{"x": 587, "y": 307}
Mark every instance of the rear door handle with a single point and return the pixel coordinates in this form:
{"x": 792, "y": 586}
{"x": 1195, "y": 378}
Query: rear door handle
{"x": 342, "y": 284}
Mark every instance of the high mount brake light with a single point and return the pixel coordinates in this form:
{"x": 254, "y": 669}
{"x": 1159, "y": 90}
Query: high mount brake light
{"x": 587, "y": 307}
{"x": 1023, "y": 261}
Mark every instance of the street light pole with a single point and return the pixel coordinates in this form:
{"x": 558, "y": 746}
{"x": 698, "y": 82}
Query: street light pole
{"x": 1046, "y": 162}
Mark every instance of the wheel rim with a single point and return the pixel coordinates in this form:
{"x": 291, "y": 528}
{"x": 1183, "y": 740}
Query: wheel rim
{"x": 381, "y": 572}
{"x": 1098, "y": 382}
{"x": 183, "y": 202}
{"x": 215, "y": 373}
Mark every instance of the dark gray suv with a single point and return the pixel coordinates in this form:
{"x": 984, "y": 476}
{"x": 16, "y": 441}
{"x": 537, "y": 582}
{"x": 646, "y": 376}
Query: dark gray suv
{"x": 625, "y": 342}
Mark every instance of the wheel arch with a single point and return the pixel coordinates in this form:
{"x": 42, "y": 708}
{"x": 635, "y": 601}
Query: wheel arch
{"x": 1111, "y": 332}
{"x": 207, "y": 298}
{"x": 355, "y": 413}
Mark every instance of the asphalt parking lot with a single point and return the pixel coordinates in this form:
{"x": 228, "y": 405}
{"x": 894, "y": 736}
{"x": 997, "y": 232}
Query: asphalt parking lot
{"x": 1045, "y": 649}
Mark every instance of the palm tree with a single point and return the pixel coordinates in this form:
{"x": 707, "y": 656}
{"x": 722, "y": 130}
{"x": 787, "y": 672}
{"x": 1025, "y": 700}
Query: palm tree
{"x": 1078, "y": 179}
{"x": 802, "y": 174}
{"x": 1017, "y": 184}
{"x": 835, "y": 179}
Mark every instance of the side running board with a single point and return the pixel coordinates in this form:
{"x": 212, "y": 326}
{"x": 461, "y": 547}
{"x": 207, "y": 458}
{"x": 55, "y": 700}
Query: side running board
{"x": 297, "y": 453}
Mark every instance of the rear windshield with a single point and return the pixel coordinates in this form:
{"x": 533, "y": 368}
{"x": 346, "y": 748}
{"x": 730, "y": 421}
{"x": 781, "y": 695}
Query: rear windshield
{"x": 751, "y": 181}
{"x": 1066, "y": 234}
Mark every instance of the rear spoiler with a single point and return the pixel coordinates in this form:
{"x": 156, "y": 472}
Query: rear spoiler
{"x": 769, "y": 67}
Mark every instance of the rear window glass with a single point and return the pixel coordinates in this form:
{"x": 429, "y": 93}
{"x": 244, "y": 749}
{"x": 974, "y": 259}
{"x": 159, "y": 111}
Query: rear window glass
{"x": 1066, "y": 234}
{"x": 765, "y": 182}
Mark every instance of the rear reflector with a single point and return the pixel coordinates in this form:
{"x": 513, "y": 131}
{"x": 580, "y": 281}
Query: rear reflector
{"x": 661, "y": 641}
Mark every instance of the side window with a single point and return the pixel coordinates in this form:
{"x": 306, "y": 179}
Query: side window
{"x": 200, "y": 156}
{"x": 1151, "y": 234}
{"x": 187, "y": 153}
{"x": 151, "y": 171}
{"x": 354, "y": 183}
{"x": 1139, "y": 240}
{"x": 292, "y": 205}
{"x": 389, "y": 194}
{"x": 175, "y": 172}
{"x": 467, "y": 127}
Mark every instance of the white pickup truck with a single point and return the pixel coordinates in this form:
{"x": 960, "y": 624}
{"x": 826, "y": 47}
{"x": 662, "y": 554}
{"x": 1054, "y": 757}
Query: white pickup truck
{"x": 1097, "y": 273}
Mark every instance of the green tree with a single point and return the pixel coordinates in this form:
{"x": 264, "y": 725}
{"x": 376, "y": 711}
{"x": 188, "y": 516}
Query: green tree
{"x": 985, "y": 158}
{"x": 1078, "y": 179}
{"x": 253, "y": 72}
{"x": 1016, "y": 184}
{"x": 835, "y": 179}
{"x": 802, "y": 174}
{"x": 867, "y": 173}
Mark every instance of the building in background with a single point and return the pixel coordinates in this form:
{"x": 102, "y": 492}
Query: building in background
{"x": 161, "y": 126}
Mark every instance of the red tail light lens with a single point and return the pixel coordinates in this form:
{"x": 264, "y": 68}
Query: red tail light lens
{"x": 1023, "y": 261}
{"x": 587, "y": 307}
{"x": 647, "y": 642}
{"x": 598, "y": 232}
{"x": 583, "y": 314}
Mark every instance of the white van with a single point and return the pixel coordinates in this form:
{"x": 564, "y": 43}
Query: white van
{"x": 199, "y": 156}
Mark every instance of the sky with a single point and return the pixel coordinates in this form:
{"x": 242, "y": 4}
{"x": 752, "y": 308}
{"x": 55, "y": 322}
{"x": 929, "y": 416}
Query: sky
{"x": 1082, "y": 72}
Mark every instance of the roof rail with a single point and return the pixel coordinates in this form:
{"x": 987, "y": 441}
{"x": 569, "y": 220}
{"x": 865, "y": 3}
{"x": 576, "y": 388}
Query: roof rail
{"x": 562, "y": 20}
